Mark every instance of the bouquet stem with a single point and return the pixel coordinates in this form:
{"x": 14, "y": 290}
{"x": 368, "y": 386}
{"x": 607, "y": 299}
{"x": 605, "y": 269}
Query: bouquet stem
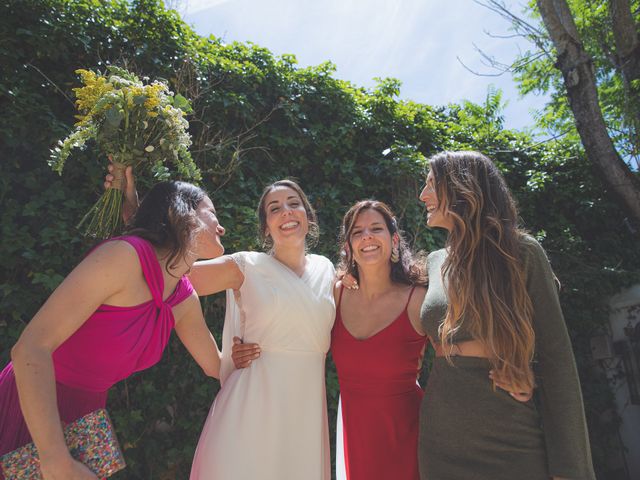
{"x": 118, "y": 175}
{"x": 104, "y": 218}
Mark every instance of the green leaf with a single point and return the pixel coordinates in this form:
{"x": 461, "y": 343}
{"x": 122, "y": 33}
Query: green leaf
{"x": 182, "y": 103}
{"x": 114, "y": 116}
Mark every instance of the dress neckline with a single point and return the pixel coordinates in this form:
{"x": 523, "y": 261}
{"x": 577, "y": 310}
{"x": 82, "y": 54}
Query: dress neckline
{"x": 386, "y": 327}
{"x": 404, "y": 312}
{"x": 305, "y": 273}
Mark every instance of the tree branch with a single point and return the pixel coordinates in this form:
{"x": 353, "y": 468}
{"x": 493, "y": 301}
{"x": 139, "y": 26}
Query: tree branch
{"x": 579, "y": 79}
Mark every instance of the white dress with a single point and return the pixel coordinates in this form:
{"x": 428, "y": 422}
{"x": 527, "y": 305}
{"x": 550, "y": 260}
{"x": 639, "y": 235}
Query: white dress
{"x": 269, "y": 421}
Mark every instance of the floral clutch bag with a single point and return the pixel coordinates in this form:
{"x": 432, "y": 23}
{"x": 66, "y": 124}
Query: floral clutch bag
{"x": 91, "y": 440}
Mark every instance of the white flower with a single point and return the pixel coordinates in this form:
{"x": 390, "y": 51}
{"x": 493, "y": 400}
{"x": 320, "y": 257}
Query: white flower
{"x": 149, "y": 148}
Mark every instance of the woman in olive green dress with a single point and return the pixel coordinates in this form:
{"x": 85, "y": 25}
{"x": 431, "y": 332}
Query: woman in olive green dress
{"x": 492, "y": 306}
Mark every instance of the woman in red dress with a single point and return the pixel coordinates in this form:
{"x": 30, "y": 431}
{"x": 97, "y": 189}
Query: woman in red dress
{"x": 377, "y": 345}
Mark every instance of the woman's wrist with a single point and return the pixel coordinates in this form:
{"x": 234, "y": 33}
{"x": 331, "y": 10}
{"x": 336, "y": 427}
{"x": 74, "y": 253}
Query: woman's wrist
{"x": 55, "y": 458}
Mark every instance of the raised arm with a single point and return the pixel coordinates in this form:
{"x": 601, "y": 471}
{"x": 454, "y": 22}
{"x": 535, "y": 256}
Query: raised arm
{"x": 217, "y": 275}
{"x": 96, "y": 280}
{"x": 207, "y": 277}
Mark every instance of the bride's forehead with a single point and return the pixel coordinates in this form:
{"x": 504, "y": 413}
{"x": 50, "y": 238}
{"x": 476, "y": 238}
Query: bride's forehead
{"x": 281, "y": 194}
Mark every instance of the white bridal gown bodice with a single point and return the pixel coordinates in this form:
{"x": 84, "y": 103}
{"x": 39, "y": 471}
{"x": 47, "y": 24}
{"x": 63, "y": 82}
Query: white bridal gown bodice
{"x": 269, "y": 421}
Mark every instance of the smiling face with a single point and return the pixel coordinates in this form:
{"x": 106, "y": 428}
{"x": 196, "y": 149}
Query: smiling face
{"x": 208, "y": 243}
{"x": 436, "y": 216}
{"x": 286, "y": 218}
{"x": 370, "y": 239}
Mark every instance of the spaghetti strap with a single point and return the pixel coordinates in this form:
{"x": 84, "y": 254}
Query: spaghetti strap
{"x": 409, "y": 299}
{"x": 340, "y": 297}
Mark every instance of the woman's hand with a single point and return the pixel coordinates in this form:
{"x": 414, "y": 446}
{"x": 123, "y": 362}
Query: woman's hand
{"x": 130, "y": 204}
{"x": 349, "y": 281}
{"x": 243, "y": 354}
{"x": 66, "y": 469}
{"x": 519, "y": 396}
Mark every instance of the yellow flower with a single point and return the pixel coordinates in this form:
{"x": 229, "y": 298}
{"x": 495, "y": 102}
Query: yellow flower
{"x": 152, "y": 93}
{"x": 95, "y": 86}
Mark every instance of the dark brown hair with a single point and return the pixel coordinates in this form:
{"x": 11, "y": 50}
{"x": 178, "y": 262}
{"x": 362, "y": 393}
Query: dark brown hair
{"x": 312, "y": 219}
{"x": 486, "y": 280}
{"x": 167, "y": 218}
{"x": 409, "y": 270}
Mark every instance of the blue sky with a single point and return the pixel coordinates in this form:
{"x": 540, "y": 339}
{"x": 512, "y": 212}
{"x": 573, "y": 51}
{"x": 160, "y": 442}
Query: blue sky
{"x": 416, "y": 41}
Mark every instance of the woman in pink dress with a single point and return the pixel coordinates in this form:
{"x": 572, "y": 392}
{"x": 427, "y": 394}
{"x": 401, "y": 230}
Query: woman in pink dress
{"x": 377, "y": 345}
{"x": 110, "y": 317}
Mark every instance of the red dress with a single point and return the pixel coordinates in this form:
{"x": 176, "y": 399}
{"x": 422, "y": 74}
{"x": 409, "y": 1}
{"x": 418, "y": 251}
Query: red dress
{"x": 380, "y": 399}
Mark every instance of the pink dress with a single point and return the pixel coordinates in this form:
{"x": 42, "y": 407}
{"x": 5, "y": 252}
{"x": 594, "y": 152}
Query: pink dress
{"x": 112, "y": 344}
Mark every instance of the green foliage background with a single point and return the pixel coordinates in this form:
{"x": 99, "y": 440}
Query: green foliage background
{"x": 257, "y": 118}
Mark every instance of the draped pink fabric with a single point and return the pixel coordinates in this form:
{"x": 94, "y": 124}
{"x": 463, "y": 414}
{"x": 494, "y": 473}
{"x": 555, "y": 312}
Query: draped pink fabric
{"x": 112, "y": 344}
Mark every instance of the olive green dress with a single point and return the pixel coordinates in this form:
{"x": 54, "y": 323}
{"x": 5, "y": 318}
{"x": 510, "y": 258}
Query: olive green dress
{"x": 469, "y": 431}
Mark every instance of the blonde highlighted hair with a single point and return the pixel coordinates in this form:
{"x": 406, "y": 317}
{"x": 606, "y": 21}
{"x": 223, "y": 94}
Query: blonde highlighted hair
{"x": 486, "y": 284}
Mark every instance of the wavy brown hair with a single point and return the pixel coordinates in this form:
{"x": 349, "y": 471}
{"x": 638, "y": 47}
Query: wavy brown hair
{"x": 410, "y": 268}
{"x": 486, "y": 285}
{"x": 314, "y": 230}
{"x": 167, "y": 217}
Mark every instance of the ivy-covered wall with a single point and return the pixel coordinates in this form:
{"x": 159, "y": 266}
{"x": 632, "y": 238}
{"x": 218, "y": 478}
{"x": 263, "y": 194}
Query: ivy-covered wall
{"x": 258, "y": 118}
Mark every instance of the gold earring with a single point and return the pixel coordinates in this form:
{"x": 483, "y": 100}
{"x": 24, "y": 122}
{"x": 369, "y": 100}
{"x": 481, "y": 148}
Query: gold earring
{"x": 395, "y": 255}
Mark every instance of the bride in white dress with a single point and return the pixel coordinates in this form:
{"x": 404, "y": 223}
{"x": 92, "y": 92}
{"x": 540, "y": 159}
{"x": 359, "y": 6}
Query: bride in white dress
{"x": 269, "y": 420}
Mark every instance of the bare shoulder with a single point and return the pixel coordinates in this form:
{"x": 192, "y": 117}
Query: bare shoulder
{"x": 120, "y": 249}
{"x": 418, "y": 295}
{"x": 416, "y": 300}
{"x": 116, "y": 255}
{"x": 341, "y": 291}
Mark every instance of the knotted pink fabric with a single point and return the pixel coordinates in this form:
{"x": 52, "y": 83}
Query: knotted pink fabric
{"x": 112, "y": 344}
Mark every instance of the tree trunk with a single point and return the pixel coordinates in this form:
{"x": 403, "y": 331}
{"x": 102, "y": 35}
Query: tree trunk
{"x": 625, "y": 35}
{"x": 579, "y": 80}
{"x": 627, "y": 60}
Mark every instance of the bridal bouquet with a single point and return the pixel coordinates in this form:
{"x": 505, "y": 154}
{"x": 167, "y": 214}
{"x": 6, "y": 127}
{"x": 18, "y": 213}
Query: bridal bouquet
{"x": 132, "y": 123}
